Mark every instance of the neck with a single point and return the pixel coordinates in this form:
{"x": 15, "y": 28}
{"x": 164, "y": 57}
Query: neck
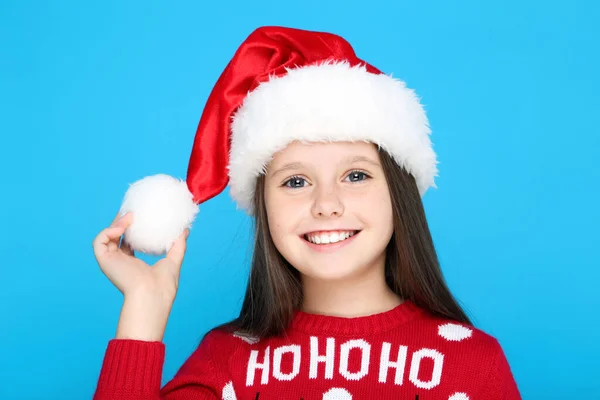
{"x": 357, "y": 296}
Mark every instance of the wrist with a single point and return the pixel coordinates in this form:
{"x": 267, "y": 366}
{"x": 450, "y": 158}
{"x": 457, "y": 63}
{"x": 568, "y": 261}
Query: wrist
{"x": 144, "y": 317}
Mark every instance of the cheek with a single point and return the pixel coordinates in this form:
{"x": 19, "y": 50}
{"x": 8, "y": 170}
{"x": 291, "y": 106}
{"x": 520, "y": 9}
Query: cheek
{"x": 387, "y": 216}
{"x": 280, "y": 218}
{"x": 385, "y": 210}
{"x": 282, "y": 233}
{"x": 376, "y": 208}
{"x": 276, "y": 226}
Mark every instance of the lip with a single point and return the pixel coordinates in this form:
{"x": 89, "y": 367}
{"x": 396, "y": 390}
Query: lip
{"x": 323, "y": 248}
{"x": 332, "y": 230}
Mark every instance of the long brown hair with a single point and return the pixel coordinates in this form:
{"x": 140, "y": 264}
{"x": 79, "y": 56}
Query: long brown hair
{"x": 412, "y": 268}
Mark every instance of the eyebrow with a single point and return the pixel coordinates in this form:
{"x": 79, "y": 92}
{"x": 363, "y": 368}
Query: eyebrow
{"x": 349, "y": 160}
{"x": 362, "y": 159}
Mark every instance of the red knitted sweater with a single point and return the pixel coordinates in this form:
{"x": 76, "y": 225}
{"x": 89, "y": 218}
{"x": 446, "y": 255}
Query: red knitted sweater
{"x": 404, "y": 353}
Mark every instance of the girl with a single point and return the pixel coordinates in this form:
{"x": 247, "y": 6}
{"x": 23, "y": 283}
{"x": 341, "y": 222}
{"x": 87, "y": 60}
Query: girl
{"x": 345, "y": 299}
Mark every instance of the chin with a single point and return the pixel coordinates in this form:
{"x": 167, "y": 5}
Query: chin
{"x": 341, "y": 264}
{"x": 332, "y": 271}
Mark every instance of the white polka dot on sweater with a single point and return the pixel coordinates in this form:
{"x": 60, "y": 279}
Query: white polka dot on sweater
{"x": 458, "y": 396}
{"x": 454, "y": 332}
{"x": 337, "y": 394}
{"x": 228, "y": 392}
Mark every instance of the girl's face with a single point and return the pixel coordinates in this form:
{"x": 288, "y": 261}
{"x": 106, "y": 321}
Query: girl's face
{"x": 329, "y": 208}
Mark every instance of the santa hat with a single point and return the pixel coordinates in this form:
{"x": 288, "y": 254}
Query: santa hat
{"x": 281, "y": 85}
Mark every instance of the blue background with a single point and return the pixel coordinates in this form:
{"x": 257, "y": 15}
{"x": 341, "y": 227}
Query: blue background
{"x": 96, "y": 96}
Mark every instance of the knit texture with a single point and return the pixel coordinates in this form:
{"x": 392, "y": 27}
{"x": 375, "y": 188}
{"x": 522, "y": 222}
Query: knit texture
{"x": 405, "y": 353}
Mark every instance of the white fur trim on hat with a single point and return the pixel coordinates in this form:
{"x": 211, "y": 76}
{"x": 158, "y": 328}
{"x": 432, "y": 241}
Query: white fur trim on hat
{"x": 329, "y": 102}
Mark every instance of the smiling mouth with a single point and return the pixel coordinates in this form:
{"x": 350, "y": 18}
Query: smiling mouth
{"x": 329, "y": 237}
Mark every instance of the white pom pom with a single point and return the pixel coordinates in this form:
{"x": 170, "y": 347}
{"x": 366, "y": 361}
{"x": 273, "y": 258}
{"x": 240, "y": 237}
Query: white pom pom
{"x": 162, "y": 207}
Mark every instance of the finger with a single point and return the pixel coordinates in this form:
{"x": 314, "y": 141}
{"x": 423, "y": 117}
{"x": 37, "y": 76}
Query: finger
{"x": 116, "y": 218}
{"x": 123, "y": 222}
{"x": 101, "y": 241}
{"x": 177, "y": 251}
{"x": 126, "y": 248}
{"x": 120, "y": 218}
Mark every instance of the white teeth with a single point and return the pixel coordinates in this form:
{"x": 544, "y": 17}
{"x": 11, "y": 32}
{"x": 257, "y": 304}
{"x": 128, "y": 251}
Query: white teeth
{"x": 333, "y": 237}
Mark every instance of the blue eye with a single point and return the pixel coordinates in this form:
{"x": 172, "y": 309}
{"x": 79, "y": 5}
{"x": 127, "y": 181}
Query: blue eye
{"x": 295, "y": 182}
{"x": 357, "y": 176}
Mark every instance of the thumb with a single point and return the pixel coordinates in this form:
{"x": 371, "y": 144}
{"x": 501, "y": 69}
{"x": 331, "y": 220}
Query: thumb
{"x": 177, "y": 251}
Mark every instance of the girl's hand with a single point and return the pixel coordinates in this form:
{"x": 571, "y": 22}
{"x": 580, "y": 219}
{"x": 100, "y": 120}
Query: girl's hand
{"x": 149, "y": 291}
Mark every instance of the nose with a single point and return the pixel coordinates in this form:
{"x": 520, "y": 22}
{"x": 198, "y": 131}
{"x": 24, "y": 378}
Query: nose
{"x": 327, "y": 203}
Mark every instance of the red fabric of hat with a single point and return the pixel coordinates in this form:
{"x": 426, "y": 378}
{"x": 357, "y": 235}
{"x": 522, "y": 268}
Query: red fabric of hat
{"x": 267, "y": 52}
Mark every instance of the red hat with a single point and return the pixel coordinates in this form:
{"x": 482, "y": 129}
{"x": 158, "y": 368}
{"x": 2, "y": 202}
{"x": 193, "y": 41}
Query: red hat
{"x": 281, "y": 85}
